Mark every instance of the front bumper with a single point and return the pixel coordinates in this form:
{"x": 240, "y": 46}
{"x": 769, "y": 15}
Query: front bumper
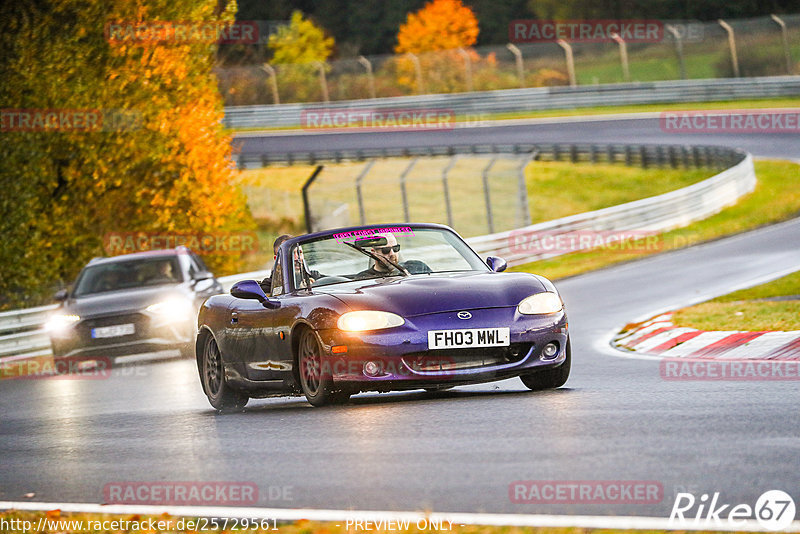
{"x": 150, "y": 335}
{"x": 405, "y": 362}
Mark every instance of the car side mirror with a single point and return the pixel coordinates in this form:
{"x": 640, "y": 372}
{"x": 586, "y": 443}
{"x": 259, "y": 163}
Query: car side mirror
{"x": 61, "y": 295}
{"x": 496, "y": 264}
{"x": 201, "y": 275}
{"x": 250, "y": 289}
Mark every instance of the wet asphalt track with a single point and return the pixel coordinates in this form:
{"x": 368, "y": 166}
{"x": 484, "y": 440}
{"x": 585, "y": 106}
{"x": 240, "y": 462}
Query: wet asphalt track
{"x": 615, "y": 419}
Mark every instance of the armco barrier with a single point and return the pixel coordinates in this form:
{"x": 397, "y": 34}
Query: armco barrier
{"x": 512, "y": 100}
{"x": 22, "y": 334}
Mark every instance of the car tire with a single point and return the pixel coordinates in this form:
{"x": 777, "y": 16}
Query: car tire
{"x": 551, "y": 378}
{"x": 212, "y": 373}
{"x": 315, "y": 380}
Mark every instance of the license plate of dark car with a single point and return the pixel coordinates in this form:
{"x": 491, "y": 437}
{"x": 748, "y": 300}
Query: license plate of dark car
{"x": 114, "y": 330}
{"x": 469, "y": 337}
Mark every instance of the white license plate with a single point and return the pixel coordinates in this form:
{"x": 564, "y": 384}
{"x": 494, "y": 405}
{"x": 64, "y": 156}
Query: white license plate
{"x": 114, "y": 331}
{"x": 469, "y": 337}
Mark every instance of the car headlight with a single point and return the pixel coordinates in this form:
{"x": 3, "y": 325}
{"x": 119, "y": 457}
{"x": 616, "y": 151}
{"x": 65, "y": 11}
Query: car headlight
{"x": 359, "y": 321}
{"x": 541, "y": 303}
{"x": 60, "y": 322}
{"x": 172, "y": 309}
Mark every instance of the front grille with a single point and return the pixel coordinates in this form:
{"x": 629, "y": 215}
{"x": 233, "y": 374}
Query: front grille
{"x": 454, "y": 359}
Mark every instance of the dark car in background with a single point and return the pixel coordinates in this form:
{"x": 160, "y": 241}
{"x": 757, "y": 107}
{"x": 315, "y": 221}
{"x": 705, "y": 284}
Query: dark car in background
{"x": 130, "y": 304}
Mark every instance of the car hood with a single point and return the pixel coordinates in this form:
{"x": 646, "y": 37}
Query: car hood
{"x": 122, "y": 301}
{"x": 424, "y": 294}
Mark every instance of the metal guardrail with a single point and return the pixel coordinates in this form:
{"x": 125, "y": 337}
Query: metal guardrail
{"x": 476, "y": 104}
{"x": 22, "y": 334}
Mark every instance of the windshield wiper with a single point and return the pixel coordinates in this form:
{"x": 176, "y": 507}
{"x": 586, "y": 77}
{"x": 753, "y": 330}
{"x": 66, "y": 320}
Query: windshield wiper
{"x": 385, "y": 261}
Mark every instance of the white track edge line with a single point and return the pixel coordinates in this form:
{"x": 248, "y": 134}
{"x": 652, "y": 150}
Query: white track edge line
{"x": 457, "y": 518}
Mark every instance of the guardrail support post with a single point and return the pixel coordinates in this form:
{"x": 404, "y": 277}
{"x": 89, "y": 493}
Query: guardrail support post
{"x": 623, "y": 56}
{"x": 467, "y": 68}
{"x": 273, "y": 77}
{"x": 370, "y": 75}
{"x": 785, "y": 38}
{"x": 518, "y": 60}
{"x": 403, "y": 191}
{"x": 678, "y": 49}
{"x": 732, "y": 46}
{"x": 418, "y": 71}
{"x": 323, "y": 82}
{"x": 359, "y": 196}
{"x": 487, "y": 195}
{"x": 306, "y": 202}
{"x": 524, "y": 207}
{"x": 447, "y": 205}
{"x": 570, "y": 61}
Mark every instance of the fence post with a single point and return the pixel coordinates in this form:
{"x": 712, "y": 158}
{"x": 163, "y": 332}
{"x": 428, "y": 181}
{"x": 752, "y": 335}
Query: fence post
{"x": 273, "y": 76}
{"x": 732, "y": 45}
{"x": 678, "y": 49}
{"x": 306, "y": 203}
{"x": 370, "y": 75}
{"x": 487, "y": 195}
{"x": 467, "y": 68}
{"x": 418, "y": 72}
{"x": 323, "y": 82}
{"x": 403, "y": 192}
{"x": 447, "y": 205}
{"x": 623, "y": 56}
{"x": 518, "y": 60}
{"x": 785, "y": 38}
{"x": 570, "y": 61}
{"x": 359, "y": 196}
{"x": 524, "y": 207}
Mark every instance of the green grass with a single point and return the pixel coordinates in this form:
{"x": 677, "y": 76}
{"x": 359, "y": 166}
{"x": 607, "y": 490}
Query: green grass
{"x": 555, "y": 189}
{"x": 741, "y": 310}
{"x": 172, "y": 523}
{"x": 775, "y": 198}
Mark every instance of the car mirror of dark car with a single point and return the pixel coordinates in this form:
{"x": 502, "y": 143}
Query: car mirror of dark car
{"x": 60, "y": 295}
{"x": 496, "y": 264}
{"x": 250, "y": 289}
{"x": 202, "y": 275}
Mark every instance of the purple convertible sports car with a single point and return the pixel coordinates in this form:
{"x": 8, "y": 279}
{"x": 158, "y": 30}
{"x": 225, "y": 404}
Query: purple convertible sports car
{"x": 379, "y": 308}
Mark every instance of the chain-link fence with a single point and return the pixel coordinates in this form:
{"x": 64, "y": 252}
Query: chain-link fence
{"x": 762, "y": 46}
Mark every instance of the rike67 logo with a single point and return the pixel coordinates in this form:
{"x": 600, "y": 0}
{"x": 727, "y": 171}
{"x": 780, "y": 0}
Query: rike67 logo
{"x": 773, "y": 510}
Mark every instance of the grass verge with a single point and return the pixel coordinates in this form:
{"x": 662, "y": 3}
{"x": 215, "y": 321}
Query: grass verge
{"x": 68, "y": 523}
{"x": 775, "y": 198}
{"x": 746, "y": 309}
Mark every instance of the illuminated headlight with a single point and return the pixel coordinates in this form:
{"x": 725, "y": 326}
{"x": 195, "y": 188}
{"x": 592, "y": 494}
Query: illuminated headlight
{"x": 541, "y": 303}
{"x": 359, "y": 321}
{"x": 174, "y": 309}
{"x": 60, "y": 322}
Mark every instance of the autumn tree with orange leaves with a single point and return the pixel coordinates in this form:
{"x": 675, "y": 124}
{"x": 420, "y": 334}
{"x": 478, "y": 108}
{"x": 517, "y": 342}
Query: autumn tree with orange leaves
{"x": 433, "y": 34}
{"x": 166, "y": 169}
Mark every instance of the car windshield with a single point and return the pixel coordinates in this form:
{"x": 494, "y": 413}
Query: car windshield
{"x": 379, "y": 252}
{"x": 128, "y": 274}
